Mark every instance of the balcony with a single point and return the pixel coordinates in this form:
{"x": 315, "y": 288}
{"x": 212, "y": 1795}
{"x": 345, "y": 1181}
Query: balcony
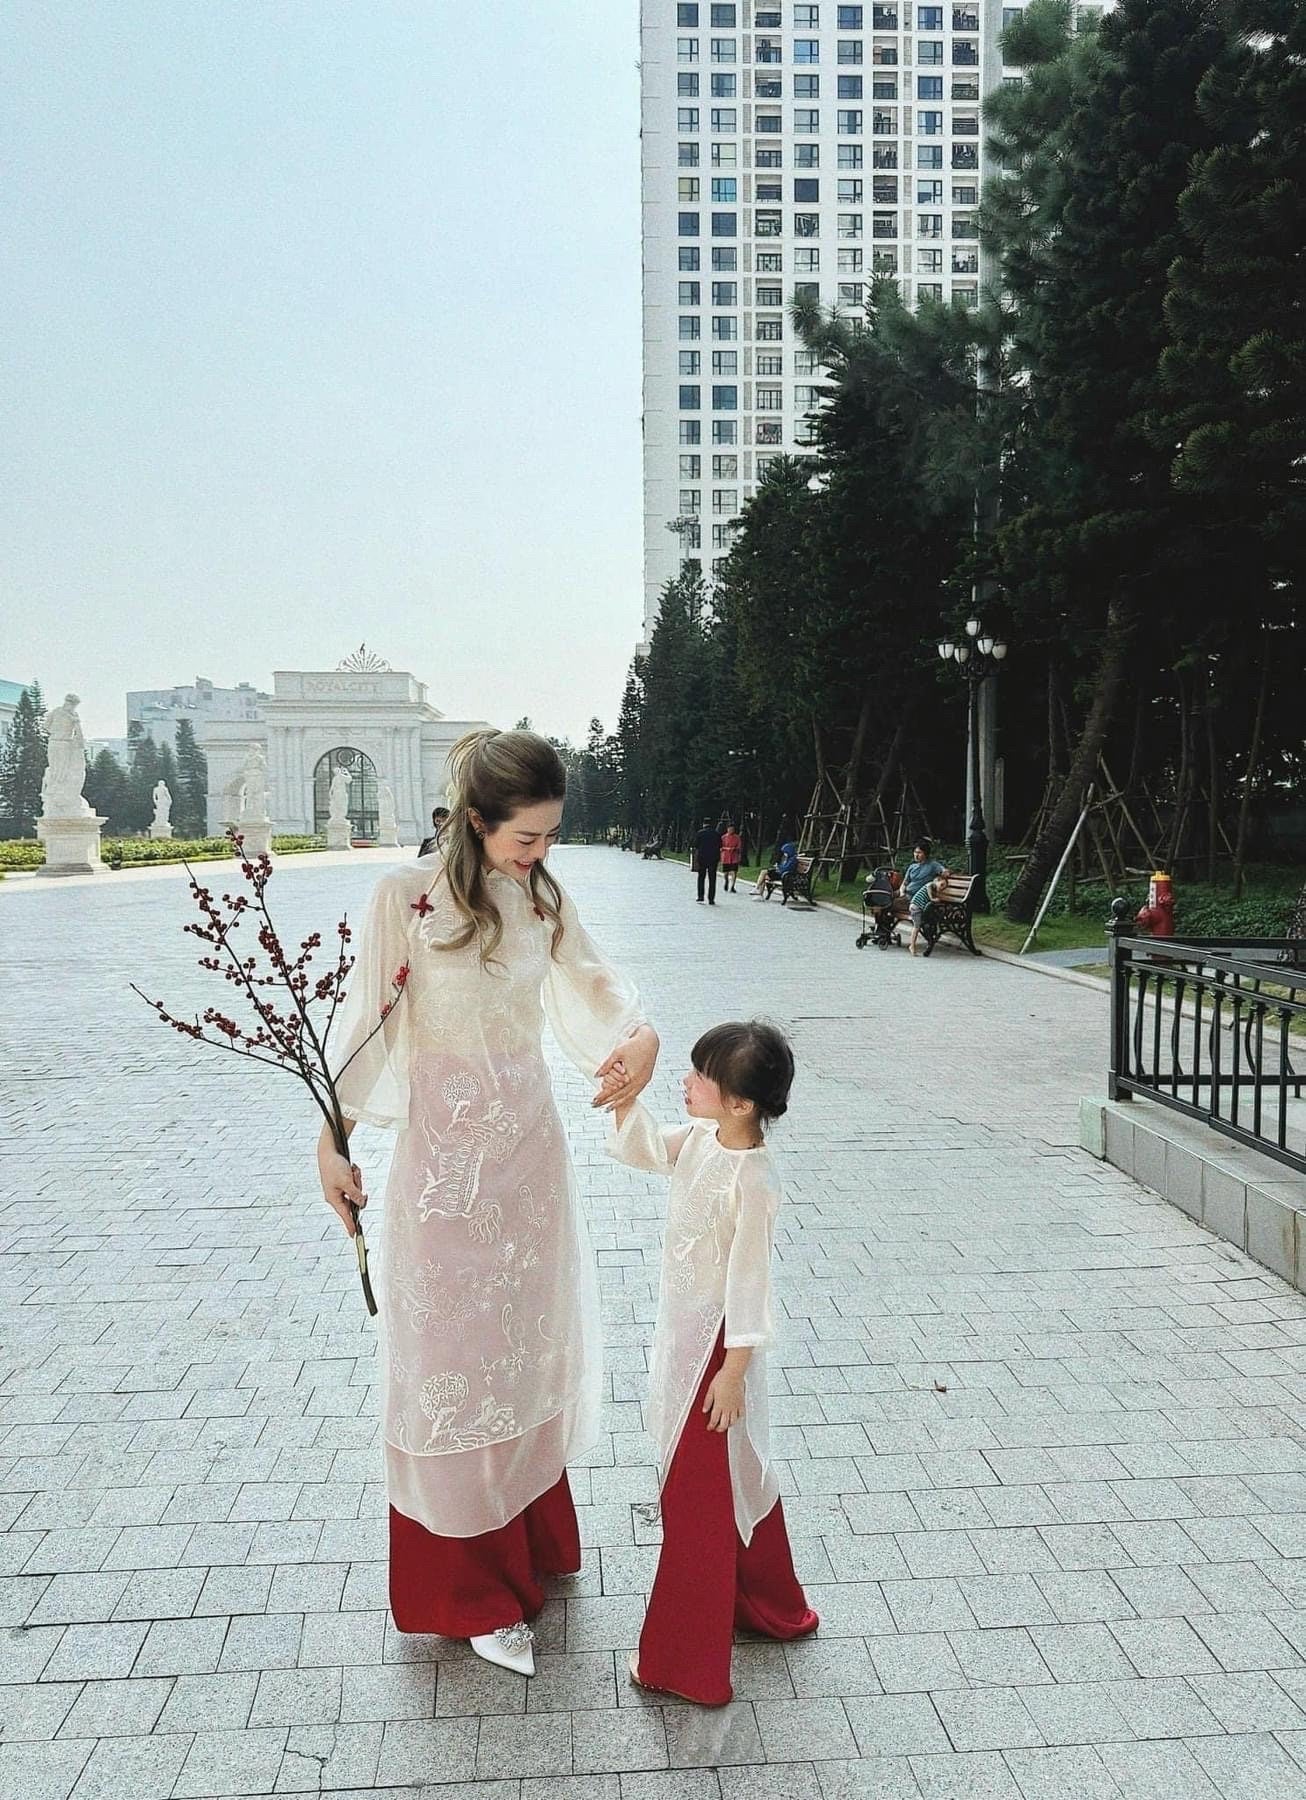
{"x": 965, "y": 156}
{"x": 965, "y": 262}
{"x": 964, "y": 19}
{"x": 884, "y": 18}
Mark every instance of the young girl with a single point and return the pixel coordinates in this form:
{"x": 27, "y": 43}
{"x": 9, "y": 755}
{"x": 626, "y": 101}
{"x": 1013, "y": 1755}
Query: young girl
{"x": 933, "y": 890}
{"x": 725, "y": 1558}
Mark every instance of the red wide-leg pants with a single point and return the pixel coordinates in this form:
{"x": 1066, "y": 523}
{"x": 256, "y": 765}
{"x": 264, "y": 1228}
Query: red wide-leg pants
{"x": 708, "y": 1581}
{"x": 465, "y": 1587}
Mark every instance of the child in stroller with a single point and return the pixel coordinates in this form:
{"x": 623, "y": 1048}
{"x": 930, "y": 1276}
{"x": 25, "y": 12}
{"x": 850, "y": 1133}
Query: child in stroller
{"x": 881, "y": 917}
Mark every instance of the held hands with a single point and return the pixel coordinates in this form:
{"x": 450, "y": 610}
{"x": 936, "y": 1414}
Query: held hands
{"x": 342, "y": 1182}
{"x": 628, "y": 1071}
{"x": 725, "y": 1399}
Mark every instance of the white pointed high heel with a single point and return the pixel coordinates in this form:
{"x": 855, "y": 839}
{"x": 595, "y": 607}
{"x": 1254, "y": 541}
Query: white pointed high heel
{"x": 511, "y": 1647}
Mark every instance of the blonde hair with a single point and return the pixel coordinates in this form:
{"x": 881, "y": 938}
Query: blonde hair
{"x": 495, "y": 773}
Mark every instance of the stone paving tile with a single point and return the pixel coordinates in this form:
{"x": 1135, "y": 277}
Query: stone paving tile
{"x": 1044, "y": 1462}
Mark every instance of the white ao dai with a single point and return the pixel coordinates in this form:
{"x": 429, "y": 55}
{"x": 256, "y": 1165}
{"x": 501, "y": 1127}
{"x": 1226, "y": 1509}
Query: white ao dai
{"x": 716, "y": 1274}
{"x": 487, "y": 1292}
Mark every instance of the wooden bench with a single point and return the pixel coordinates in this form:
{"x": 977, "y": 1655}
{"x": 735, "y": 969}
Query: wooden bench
{"x": 951, "y": 914}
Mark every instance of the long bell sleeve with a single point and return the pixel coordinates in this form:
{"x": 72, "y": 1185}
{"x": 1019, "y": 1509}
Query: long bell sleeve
{"x": 748, "y": 1271}
{"x": 590, "y": 1005}
{"x": 641, "y": 1143}
{"x": 370, "y": 1066}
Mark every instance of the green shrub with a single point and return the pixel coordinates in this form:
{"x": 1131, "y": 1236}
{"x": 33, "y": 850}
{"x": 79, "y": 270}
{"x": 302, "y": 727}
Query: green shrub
{"x": 138, "y": 852}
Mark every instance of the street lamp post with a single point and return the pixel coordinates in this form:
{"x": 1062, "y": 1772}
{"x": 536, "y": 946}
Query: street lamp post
{"x": 978, "y": 656}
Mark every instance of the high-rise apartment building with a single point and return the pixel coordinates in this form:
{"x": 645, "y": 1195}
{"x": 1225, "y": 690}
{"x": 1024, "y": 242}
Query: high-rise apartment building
{"x": 787, "y": 148}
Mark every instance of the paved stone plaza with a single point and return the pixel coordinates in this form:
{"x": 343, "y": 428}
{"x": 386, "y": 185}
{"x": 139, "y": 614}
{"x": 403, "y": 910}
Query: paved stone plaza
{"x": 1042, "y": 1438}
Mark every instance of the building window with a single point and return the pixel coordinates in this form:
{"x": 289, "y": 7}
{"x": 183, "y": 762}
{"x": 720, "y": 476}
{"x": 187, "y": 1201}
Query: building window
{"x": 883, "y": 156}
{"x": 691, "y": 430}
{"x": 723, "y": 119}
{"x": 767, "y": 18}
{"x": 964, "y": 54}
{"x": 687, "y": 118}
{"x": 807, "y": 87}
{"x": 725, "y": 500}
{"x": 725, "y": 224}
{"x": 725, "y": 293}
{"x": 929, "y": 156}
{"x": 850, "y": 156}
{"x": 806, "y": 397}
{"x": 929, "y": 124}
{"x": 806, "y": 118}
{"x": 964, "y": 156}
{"x": 688, "y": 224}
{"x": 850, "y": 293}
{"x": 967, "y": 195}
{"x": 850, "y": 87}
{"x": 965, "y": 124}
{"x": 929, "y": 262}
{"x": 686, "y": 49}
{"x": 687, "y": 15}
{"x": 807, "y": 50}
{"x": 689, "y": 293}
{"x": 691, "y": 398}
{"x": 965, "y": 87}
{"x": 767, "y": 294}
{"x": 965, "y": 294}
{"x": 929, "y": 87}
{"x": 725, "y": 50}
{"x": 850, "y": 225}
{"x": 691, "y": 501}
{"x": 770, "y": 362}
{"x": 769, "y": 191}
{"x": 687, "y": 87}
{"x": 766, "y": 224}
{"x": 690, "y": 362}
{"x": 768, "y": 87}
{"x": 807, "y": 156}
{"x": 807, "y": 225}
{"x": 929, "y": 225}
{"x": 687, "y": 156}
{"x": 726, "y": 398}
{"x": 725, "y": 329}
{"x": 929, "y": 52}
{"x": 850, "y": 261}
{"x": 724, "y": 191}
{"x": 768, "y": 124}
{"x": 725, "y": 257}
{"x": 687, "y": 190}
{"x": 929, "y": 290}
{"x": 884, "y": 87}
{"x": 850, "y": 18}
{"x": 770, "y": 156}
{"x": 850, "y": 124}
{"x": 965, "y": 262}
{"x": 768, "y": 399}
{"x": 767, "y": 50}
{"x": 725, "y": 362}
{"x": 884, "y": 18}
{"x": 688, "y": 257}
{"x": 807, "y": 262}
{"x": 807, "y": 190}
{"x": 884, "y": 225}
{"x": 884, "y": 190}
{"x": 884, "y": 262}
{"x": 851, "y": 193}
{"x": 723, "y": 87}
{"x": 807, "y": 18}
{"x": 725, "y": 156}
{"x": 929, "y": 18}
{"x": 770, "y": 262}
{"x": 725, "y": 431}
{"x": 725, "y": 16}
{"x": 690, "y": 328}
{"x": 691, "y": 468}
{"x": 964, "y": 226}
{"x": 929, "y": 193}
{"x": 805, "y": 362}
{"x": 769, "y": 331}
{"x": 850, "y": 50}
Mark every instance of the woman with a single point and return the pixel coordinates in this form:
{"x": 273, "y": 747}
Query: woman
{"x": 488, "y": 1291}
{"x": 781, "y": 869}
{"x": 915, "y": 894}
{"x": 732, "y": 854}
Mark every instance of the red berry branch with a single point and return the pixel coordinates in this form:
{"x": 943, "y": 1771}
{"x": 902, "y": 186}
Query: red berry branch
{"x": 289, "y": 1009}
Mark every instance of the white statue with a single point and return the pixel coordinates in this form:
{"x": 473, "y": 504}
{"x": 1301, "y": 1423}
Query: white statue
{"x": 254, "y": 786}
{"x": 340, "y": 784}
{"x": 161, "y": 825}
{"x": 387, "y": 831}
{"x": 65, "y": 768}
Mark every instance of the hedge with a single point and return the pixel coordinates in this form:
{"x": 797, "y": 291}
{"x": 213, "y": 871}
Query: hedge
{"x": 129, "y": 853}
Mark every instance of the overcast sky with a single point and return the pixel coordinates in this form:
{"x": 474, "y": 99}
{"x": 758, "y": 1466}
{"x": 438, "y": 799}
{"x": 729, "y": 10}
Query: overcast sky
{"x": 322, "y": 324}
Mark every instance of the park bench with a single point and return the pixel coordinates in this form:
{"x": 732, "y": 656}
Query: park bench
{"x": 951, "y": 914}
{"x": 795, "y": 886}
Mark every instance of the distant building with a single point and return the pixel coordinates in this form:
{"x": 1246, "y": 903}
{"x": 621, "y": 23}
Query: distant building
{"x": 159, "y": 711}
{"x": 11, "y": 692}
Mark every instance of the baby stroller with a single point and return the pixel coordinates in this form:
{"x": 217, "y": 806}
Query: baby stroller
{"x": 880, "y": 922}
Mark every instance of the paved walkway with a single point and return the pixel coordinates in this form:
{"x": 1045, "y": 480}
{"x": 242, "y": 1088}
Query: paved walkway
{"x": 1042, "y": 1438}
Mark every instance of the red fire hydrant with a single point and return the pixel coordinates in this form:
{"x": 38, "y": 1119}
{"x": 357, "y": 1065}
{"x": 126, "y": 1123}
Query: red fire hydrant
{"x": 1157, "y": 917}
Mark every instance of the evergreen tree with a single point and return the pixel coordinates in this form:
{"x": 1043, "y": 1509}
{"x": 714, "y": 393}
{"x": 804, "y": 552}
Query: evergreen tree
{"x": 143, "y": 771}
{"x": 190, "y": 810}
{"x": 629, "y": 752}
{"x": 106, "y": 791}
{"x": 22, "y": 766}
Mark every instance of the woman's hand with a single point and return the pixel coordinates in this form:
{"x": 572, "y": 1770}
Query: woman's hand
{"x": 632, "y": 1065}
{"x": 342, "y": 1182}
{"x": 724, "y": 1402}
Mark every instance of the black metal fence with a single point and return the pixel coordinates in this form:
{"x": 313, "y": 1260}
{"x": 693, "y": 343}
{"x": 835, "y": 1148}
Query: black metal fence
{"x": 1214, "y": 1028}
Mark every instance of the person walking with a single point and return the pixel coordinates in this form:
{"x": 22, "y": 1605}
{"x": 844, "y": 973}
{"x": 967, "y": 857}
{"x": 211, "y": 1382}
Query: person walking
{"x": 732, "y": 854}
{"x": 491, "y": 1344}
{"x": 707, "y": 858}
{"x": 439, "y": 819}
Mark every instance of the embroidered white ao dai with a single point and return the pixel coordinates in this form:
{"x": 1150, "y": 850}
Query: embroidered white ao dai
{"x": 716, "y": 1272}
{"x": 487, "y": 1291}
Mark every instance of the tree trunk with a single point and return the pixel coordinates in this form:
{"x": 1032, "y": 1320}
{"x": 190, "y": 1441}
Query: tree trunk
{"x": 1249, "y": 775}
{"x": 1213, "y": 782}
{"x": 1054, "y": 833}
{"x": 1054, "y": 760}
{"x": 1182, "y": 781}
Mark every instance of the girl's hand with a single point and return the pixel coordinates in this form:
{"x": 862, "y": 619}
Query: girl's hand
{"x": 633, "y": 1063}
{"x": 724, "y": 1402}
{"x": 342, "y": 1181}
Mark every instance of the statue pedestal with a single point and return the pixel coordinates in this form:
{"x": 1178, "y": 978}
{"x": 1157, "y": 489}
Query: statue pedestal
{"x": 161, "y": 833}
{"x": 257, "y": 835}
{"x": 387, "y": 837}
{"x": 72, "y": 846}
{"x": 338, "y": 835}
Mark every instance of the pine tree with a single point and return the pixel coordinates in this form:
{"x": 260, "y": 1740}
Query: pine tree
{"x": 190, "y": 810}
{"x": 142, "y": 773}
{"x": 106, "y": 791}
{"x": 22, "y": 766}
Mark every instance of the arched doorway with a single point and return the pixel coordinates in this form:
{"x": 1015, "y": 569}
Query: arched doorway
{"x": 364, "y": 820}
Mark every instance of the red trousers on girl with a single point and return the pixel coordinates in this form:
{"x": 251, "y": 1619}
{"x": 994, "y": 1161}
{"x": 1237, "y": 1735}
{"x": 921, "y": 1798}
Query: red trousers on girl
{"x": 465, "y": 1587}
{"x": 708, "y": 1581}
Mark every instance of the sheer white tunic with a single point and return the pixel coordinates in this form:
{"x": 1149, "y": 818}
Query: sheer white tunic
{"x": 716, "y": 1272}
{"x": 487, "y": 1290}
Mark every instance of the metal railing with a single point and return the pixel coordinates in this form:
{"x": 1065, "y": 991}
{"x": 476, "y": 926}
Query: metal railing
{"x": 1210, "y": 1027}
